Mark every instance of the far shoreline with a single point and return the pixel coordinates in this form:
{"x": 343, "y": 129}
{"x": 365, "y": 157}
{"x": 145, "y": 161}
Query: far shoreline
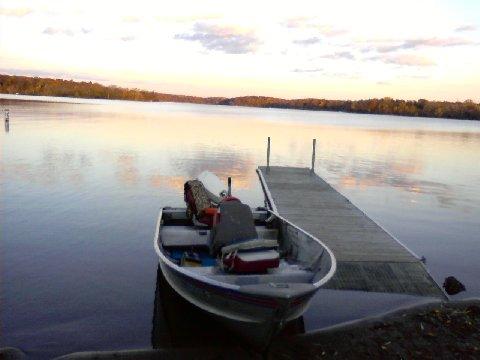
{"x": 90, "y": 101}
{"x": 35, "y": 86}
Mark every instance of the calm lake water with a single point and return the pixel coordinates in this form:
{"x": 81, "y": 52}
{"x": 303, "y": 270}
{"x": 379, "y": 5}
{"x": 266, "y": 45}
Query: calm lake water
{"x": 82, "y": 183}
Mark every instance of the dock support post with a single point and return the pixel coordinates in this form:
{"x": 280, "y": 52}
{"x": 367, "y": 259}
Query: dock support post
{"x": 268, "y": 154}
{"x": 312, "y": 170}
{"x": 7, "y": 115}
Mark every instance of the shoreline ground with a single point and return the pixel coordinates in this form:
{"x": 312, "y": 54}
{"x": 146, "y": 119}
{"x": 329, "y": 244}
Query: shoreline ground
{"x": 435, "y": 330}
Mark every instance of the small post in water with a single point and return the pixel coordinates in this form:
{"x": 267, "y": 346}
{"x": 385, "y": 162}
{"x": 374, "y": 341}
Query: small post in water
{"x": 268, "y": 154}
{"x": 229, "y": 193}
{"x": 313, "y": 155}
{"x": 7, "y": 115}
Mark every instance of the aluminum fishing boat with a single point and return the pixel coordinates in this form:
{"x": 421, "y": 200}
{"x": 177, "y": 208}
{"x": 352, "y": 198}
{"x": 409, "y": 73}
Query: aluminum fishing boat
{"x": 242, "y": 264}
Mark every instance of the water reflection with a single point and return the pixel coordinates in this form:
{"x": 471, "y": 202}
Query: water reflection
{"x": 374, "y": 173}
{"x": 223, "y": 162}
{"x": 178, "y": 324}
{"x": 360, "y": 157}
{"x": 333, "y": 307}
{"x": 52, "y": 167}
{"x": 82, "y": 184}
{"x": 165, "y": 181}
{"x": 127, "y": 169}
{"x": 7, "y": 126}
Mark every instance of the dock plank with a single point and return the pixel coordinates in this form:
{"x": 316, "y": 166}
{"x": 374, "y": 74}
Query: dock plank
{"x": 368, "y": 257}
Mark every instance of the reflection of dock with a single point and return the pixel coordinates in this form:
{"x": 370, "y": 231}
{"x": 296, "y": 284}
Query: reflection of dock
{"x": 368, "y": 258}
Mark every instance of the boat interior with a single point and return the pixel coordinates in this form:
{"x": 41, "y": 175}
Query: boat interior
{"x": 188, "y": 243}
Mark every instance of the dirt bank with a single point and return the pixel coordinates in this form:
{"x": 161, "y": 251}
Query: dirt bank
{"x": 444, "y": 330}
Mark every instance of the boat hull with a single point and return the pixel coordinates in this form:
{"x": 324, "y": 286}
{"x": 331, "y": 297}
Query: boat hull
{"x": 265, "y": 303}
{"x": 177, "y": 323}
{"x": 234, "y": 304}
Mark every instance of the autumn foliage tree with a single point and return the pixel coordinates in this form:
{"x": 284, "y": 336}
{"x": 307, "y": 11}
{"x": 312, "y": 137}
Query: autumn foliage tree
{"x": 81, "y": 89}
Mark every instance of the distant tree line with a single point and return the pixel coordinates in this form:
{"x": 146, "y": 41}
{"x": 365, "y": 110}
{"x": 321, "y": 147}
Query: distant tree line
{"x": 438, "y": 109}
{"x": 69, "y": 88}
{"x": 25, "y": 85}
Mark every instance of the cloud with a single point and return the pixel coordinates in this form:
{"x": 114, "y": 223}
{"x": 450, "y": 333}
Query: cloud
{"x": 187, "y": 18}
{"x": 466, "y": 28}
{"x": 297, "y": 22}
{"x": 307, "y": 22}
{"x": 58, "y": 31}
{"x": 131, "y": 19}
{"x": 432, "y": 42}
{"x": 16, "y": 12}
{"x": 404, "y": 60}
{"x": 81, "y": 76}
{"x": 345, "y": 75}
{"x": 65, "y": 31}
{"x": 227, "y": 39}
{"x": 127, "y": 38}
{"x": 422, "y": 77}
{"x": 339, "y": 55}
{"x": 308, "y": 41}
{"x": 314, "y": 70}
{"x": 327, "y": 73}
{"x": 330, "y": 31}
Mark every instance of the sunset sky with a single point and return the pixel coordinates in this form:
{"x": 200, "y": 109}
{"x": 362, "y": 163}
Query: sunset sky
{"x": 325, "y": 49}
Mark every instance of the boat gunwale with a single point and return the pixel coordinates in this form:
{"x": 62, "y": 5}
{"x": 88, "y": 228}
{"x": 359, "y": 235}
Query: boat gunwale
{"x": 213, "y": 282}
{"x": 183, "y": 270}
{"x": 224, "y": 285}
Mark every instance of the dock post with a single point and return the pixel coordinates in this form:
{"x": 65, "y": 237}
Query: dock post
{"x": 7, "y": 115}
{"x": 312, "y": 170}
{"x": 268, "y": 155}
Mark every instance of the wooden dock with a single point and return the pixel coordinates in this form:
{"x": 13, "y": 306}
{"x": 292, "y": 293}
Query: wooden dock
{"x": 368, "y": 257}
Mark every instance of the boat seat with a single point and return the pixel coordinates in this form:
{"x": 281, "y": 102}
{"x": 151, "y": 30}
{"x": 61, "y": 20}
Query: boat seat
{"x": 184, "y": 236}
{"x": 236, "y": 225}
{"x": 189, "y": 236}
{"x": 266, "y": 234}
